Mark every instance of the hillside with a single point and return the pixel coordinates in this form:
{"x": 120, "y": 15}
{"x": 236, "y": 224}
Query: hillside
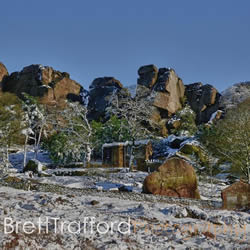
{"x": 168, "y": 161}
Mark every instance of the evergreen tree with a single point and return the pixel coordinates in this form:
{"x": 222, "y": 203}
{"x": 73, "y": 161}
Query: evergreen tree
{"x": 113, "y": 130}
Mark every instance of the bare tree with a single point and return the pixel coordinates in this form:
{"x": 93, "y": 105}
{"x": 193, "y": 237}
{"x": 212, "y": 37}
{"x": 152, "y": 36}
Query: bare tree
{"x": 72, "y": 122}
{"x": 36, "y": 122}
{"x": 138, "y": 114}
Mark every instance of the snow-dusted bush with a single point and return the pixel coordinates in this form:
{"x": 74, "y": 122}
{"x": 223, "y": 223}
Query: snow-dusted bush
{"x": 187, "y": 127}
{"x": 63, "y": 149}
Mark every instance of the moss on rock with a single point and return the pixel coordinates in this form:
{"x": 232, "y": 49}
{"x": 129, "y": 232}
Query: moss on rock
{"x": 191, "y": 149}
{"x": 175, "y": 177}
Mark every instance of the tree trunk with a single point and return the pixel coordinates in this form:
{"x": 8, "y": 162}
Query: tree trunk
{"x": 7, "y": 154}
{"x": 38, "y": 142}
{"x": 35, "y": 145}
{"x": 88, "y": 155}
{"x": 211, "y": 176}
{"x": 248, "y": 173}
{"x": 131, "y": 158}
{"x": 25, "y": 151}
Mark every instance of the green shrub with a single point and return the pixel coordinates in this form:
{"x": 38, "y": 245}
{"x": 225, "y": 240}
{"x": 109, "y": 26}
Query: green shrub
{"x": 228, "y": 139}
{"x": 62, "y": 150}
{"x": 114, "y": 130}
{"x": 187, "y": 118}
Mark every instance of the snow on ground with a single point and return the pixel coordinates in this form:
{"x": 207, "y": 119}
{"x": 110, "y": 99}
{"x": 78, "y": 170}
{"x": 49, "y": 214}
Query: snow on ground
{"x": 152, "y": 224}
{"x": 136, "y": 225}
{"x": 106, "y": 178}
{"x": 211, "y": 190}
{"x": 113, "y": 178}
{"x": 16, "y": 159}
{"x": 101, "y": 178}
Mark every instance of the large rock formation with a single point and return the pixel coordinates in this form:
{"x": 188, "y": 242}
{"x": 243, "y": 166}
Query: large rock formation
{"x": 148, "y": 75}
{"x": 163, "y": 86}
{"x": 203, "y": 99}
{"x": 101, "y": 92}
{"x": 49, "y": 85}
{"x": 3, "y": 74}
{"x": 174, "y": 178}
{"x": 235, "y": 95}
{"x": 162, "y": 90}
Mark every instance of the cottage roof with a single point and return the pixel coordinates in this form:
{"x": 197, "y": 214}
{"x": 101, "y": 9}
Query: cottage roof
{"x": 115, "y": 144}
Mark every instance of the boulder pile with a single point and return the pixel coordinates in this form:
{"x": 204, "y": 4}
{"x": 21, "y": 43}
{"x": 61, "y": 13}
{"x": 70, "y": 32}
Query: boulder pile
{"x": 203, "y": 99}
{"x": 164, "y": 87}
{"x": 50, "y": 85}
{"x": 102, "y": 91}
{"x": 162, "y": 90}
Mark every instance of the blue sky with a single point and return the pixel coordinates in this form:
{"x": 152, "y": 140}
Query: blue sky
{"x": 207, "y": 41}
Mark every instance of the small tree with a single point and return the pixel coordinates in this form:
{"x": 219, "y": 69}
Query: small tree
{"x": 36, "y": 118}
{"x": 137, "y": 113}
{"x": 113, "y": 130}
{"x": 187, "y": 117}
{"x": 11, "y": 125}
{"x": 72, "y": 134}
{"x": 229, "y": 139}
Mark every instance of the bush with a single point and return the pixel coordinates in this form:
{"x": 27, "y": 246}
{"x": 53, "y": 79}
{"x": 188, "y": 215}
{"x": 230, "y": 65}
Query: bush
{"x": 228, "y": 139}
{"x": 114, "y": 130}
{"x": 187, "y": 122}
{"x": 62, "y": 150}
{"x": 11, "y": 120}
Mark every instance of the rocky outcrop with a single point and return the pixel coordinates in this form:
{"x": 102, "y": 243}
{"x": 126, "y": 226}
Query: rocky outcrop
{"x": 236, "y": 196}
{"x": 162, "y": 90}
{"x": 101, "y": 92}
{"x": 234, "y": 95}
{"x": 3, "y": 74}
{"x": 174, "y": 178}
{"x": 49, "y": 85}
{"x": 147, "y": 75}
{"x": 163, "y": 87}
{"x": 203, "y": 99}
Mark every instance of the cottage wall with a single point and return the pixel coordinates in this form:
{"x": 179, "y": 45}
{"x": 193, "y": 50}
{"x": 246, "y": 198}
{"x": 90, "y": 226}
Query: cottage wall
{"x": 113, "y": 156}
{"x": 118, "y": 154}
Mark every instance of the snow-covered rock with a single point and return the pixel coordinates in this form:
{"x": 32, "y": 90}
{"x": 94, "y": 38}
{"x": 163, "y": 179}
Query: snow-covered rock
{"x": 234, "y": 95}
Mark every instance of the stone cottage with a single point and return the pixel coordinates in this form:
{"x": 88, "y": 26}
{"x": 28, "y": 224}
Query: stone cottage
{"x": 118, "y": 154}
